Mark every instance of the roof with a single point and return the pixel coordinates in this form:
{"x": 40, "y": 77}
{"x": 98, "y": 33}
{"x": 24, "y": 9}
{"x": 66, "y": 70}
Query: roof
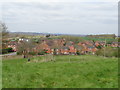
{"x": 69, "y": 43}
{"x": 89, "y": 46}
{"x": 114, "y": 42}
{"x": 50, "y": 42}
{"x": 64, "y": 47}
{"x": 78, "y": 47}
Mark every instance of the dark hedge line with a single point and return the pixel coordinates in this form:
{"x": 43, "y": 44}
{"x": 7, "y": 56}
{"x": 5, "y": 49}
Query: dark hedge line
{"x": 6, "y": 50}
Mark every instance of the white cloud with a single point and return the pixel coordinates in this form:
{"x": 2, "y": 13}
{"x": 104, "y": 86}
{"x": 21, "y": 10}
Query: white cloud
{"x": 28, "y": 12}
{"x": 0, "y": 11}
{"x": 54, "y": 14}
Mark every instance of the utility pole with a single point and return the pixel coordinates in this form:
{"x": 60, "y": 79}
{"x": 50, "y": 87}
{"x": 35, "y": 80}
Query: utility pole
{"x": 69, "y": 50}
{"x": 104, "y": 48}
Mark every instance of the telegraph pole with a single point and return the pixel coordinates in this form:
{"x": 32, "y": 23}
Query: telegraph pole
{"x": 104, "y": 48}
{"x": 69, "y": 50}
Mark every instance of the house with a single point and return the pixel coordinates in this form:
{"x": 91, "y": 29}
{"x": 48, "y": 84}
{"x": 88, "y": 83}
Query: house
{"x": 58, "y": 51}
{"x": 72, "y": 50}
{"x": 114, "y": 44}
{"x": 23, "y": 39}
{"x": 88, "y": 47}
{"x": 102, "y": 43}
{"x": 42, "y": 46}
{"x": 13, "y": 45}
{"x": 97, "y": 43}
{"x": 64, "y": 50}
{"x": 79, "y": 49}
{"x": 91, "y": 49}
{"x": 60, "y": 46}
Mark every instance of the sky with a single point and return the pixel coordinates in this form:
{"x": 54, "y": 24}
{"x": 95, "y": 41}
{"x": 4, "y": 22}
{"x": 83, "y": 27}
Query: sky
{"x": 61, "y": 16}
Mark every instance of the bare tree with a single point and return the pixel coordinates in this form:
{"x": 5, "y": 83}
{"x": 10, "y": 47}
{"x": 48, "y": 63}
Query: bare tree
{"x": 25, "y": 47}
{"x": 4, "y": 34}
{"x": 3, "y": 29}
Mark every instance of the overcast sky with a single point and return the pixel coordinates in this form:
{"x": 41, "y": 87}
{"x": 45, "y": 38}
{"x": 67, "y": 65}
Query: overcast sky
{"x": 61, "y": 16}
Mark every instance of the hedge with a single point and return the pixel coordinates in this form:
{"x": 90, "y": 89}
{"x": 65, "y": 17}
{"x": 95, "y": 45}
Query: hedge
{"x": 108, "y": 52}
{"x": 6, "y": 50}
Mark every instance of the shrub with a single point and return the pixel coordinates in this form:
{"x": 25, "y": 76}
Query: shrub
{"x": 18, "y": 53}
{"x": 108, "y": 52}
{"x": 78, "y": 52}
{"x": 6, "y": 50}
{"x": 99, "y": 52}
{"x": 42, "y": 53}
{"x": 10, "y": 50}
{"x": 32, "y": 53}
{"x": 99, "y": 47}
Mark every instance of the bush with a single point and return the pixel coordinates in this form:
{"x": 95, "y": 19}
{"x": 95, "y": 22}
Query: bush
{"x": 0, "y": 51}
{"x": 78, "y": 53}
{"x": 18, "y": 53}
{"x": 32, "y": 53}
{"x": 108, "y": 52}
{"x": 42, "y": 53}
{"x": 117, "y": 52}
{"x": 10, "y": 50}
{"x": 99, "y": 47}
{"x": 6, "y": 50}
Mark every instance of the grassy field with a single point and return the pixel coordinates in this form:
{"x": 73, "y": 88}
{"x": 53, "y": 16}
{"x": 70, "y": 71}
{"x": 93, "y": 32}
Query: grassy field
{"x": 66, "y": 72}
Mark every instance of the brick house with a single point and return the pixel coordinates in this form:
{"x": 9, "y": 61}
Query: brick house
{"x": 64, "y": 50}
{"x": 88, "y": 47}
{"x": 72, "y": 50}
{"x": 42, "y": 46}
{"x": 91, "y": 49}
{"x": 114, "y": 44}
{"x": 13, "y": 45}
{"x": 97, "y": 43}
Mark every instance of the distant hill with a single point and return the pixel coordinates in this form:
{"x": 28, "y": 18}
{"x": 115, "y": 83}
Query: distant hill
{"x": 35, "y": 33}
{"x": 59, "y": 34}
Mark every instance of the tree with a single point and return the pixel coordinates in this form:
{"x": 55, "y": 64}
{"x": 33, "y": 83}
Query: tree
{"x": 25, "y": 48}
{"x": 3, "y": 30}
{"x": 4, "y": 33}
{"x": 48, "y": 35}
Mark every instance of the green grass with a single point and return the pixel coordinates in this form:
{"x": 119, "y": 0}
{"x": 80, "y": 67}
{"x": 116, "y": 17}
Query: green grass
{"x": 65, "y": 72}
